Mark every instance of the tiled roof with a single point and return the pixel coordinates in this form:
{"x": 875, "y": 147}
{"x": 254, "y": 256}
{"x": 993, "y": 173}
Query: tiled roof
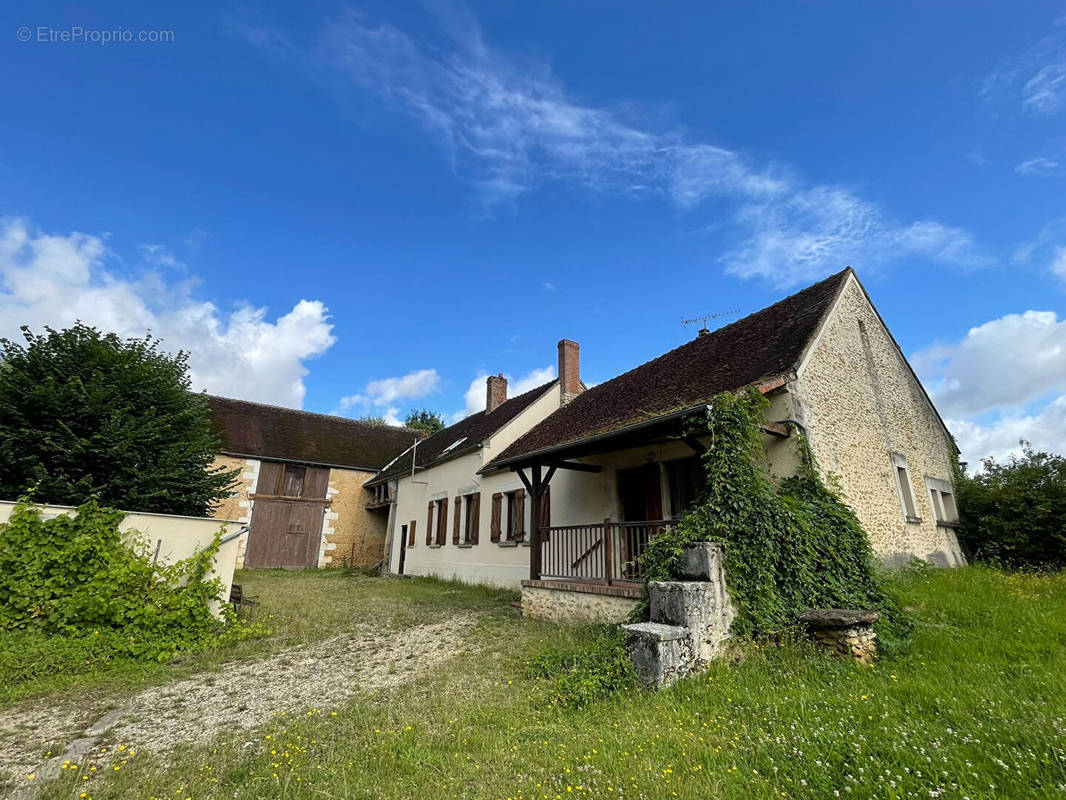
{"x": 463, "y": 436}
{"x": 762, "y": 346}
{"x": 286, "y": 434}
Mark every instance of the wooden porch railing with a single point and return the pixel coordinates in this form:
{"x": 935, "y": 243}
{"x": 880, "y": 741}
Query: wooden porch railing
{"x": 607, "y": 552}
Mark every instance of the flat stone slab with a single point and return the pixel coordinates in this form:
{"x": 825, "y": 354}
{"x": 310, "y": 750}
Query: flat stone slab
{"x": 656, "y": 631}
{"x": 838, "y": 617}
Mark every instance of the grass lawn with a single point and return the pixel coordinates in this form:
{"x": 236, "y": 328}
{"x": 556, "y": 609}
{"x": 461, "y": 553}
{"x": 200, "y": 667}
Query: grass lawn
{"x": 975, "y": 708}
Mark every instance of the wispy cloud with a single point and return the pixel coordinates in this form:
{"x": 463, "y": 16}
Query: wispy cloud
{"x": 55, "y": 279}
{"x": 158, "y": 255}
{"x": 1038, "y": 166}
{"x": 549, "y": 287}
{"x": 1034, "y": 81}
{"x": 508, "y": 126}
{"x": 1047, "y": 249}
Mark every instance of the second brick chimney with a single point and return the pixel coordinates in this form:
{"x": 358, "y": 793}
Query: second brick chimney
{"x": 495, "y": 392}
{"x": 569, "y": 370}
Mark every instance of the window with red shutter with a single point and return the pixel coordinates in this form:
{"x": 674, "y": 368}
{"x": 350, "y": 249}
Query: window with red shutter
{"x": 458, "y": 519}
{"x": 473, "y": 519}
{"x": 497, "y": 513}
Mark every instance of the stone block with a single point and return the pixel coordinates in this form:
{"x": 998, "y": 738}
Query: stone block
{"x": 701, "y": 607}
{"x": 661, "y": 654}
{"x": 701, "y": 561}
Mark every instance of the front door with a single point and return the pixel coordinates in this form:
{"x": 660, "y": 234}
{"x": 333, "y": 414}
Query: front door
{"x": 641, "y": 493}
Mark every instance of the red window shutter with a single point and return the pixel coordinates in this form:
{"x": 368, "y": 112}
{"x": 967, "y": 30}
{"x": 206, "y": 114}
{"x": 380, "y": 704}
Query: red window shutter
{"x": 497, "y": 506}
{"x": 458, "y": 519}
{"x": 442, "y": 522}
{"x": 411, "y": 534}
{"x": 475, "y": 510}
{"x": 429, "y": 524}
{"x": 520, "y": 514}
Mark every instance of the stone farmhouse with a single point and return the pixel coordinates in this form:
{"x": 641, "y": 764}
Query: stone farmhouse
{"x": 301, "y": 484}
{"x": 559, "y": 489}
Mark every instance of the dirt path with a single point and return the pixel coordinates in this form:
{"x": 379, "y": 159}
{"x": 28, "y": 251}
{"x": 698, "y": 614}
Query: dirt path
{"x": 239, "y": 696}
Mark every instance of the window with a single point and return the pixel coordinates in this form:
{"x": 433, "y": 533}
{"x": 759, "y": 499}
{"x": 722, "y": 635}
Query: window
{"x": 472, "y": 508}
{"x": 942, "y": 497}
{"x": 292, "y": 482}
{"x": 515, "y": 523}
{"x": 906, "y": 491}
{"x": 440, "y": 516}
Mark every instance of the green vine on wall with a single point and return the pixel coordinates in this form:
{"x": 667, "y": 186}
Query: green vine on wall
{"x": 78, "y": 577}
{"x": 788, "y": 547}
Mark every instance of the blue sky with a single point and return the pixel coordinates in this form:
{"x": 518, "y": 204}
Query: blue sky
{"x": 362, "y": 209}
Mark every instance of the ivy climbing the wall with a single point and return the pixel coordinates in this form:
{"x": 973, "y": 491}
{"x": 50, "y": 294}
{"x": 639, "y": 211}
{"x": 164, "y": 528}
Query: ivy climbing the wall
{"x": 789, "y": 546}
{"x": 76, "y": 577}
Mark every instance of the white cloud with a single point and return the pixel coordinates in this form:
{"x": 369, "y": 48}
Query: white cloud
{"x": 56, "y": 279}
{"x": 1037, "y": 166}
{"x": 1045, "y": 430}
{"x": 968, "y": 377}
{"x": 509, "y": 126}
{"x": 987, "y": 384}
{"x": 550, "y": 287}
{"x": 379, "y": 396}
{"x": 1034, "y": 82}
{"x": 474, "y": 396}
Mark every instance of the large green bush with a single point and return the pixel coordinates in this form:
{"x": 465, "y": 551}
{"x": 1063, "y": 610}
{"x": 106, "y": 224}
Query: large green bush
{"x": 85, "y": 413}
{"x": 1014, "y": 514}
{"x": 788, "y": 547}
{"x": 76, "y": 577}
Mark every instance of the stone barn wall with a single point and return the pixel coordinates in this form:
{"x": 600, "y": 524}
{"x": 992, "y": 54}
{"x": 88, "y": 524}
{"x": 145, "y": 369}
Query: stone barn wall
{"x": 351, "y": 535}
{"x": 238, "y": 506}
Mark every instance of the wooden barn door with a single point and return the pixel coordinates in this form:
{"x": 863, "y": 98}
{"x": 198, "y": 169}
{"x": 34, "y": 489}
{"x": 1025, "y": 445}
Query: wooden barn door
{"x": 286, "y": 526}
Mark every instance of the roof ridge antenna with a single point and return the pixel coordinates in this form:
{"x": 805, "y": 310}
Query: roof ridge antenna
{"x": 704, "y": 330}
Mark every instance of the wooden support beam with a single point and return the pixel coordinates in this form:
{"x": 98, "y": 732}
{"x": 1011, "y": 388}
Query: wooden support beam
{"x": 525, "y": 480}
{"x": 698, "y": 447}
{"x": 778, "y": 429}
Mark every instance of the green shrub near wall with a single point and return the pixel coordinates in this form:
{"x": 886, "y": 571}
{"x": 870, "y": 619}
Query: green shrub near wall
{"x": 76, "y": 577}
{"x": 788, "y": 547}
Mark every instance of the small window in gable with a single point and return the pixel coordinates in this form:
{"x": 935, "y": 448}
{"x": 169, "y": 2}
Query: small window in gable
{"x": 906, "y": 489}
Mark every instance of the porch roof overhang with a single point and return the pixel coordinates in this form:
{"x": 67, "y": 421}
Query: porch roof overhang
{"x": 669, "y": 427}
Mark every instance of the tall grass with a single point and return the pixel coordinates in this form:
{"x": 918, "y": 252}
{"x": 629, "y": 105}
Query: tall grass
{"x": 976, "y": 707}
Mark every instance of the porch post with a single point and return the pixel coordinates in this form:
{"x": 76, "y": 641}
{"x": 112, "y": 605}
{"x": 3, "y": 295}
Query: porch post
{"x": 534, "y": 539}
{"x": 608, "y": 551}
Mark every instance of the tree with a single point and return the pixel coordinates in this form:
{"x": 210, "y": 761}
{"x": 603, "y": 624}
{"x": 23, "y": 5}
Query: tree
{"x": 1014, "y": 514}
{"x": 424, "y": 420}
{"x": 85, "y": 413}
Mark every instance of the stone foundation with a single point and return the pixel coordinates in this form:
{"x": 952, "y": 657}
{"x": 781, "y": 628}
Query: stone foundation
{"x": 690, "y": 620}
{"x": 573, "y": 603}
{"x": 844, "y": 632}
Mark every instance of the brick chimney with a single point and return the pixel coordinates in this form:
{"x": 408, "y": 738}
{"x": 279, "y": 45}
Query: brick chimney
{"x": 495, "y": 392}
{"x": 569, "y": 370}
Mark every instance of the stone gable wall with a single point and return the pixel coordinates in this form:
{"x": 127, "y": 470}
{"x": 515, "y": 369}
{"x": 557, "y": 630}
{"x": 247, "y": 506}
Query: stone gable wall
{"x": 860, "y": 403}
